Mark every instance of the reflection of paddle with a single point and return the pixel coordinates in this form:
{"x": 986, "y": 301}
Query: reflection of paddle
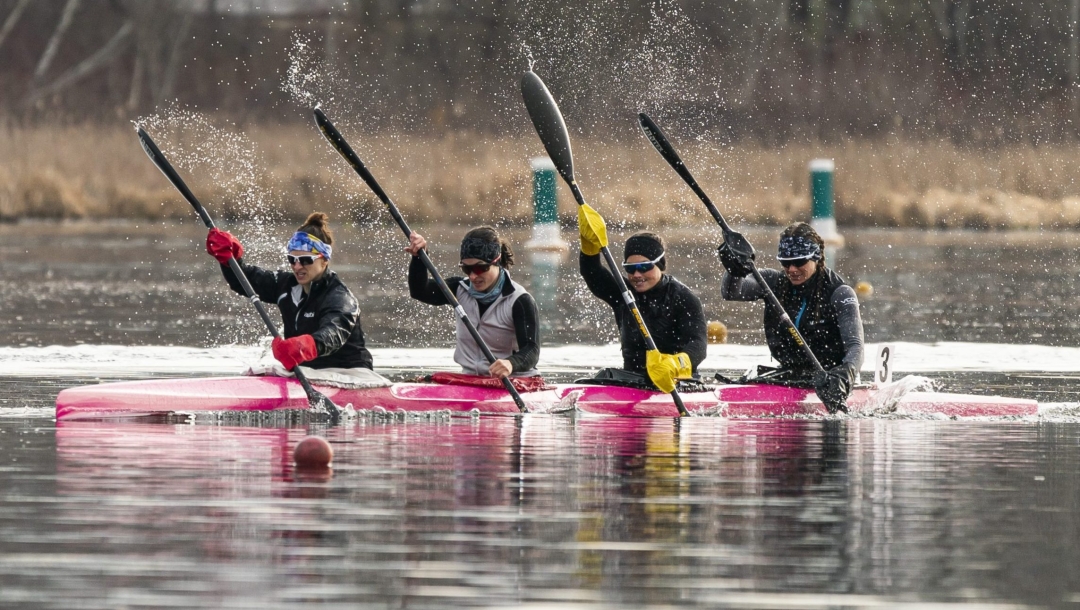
{"x": 346, "y": 151}
{"x": 735, "y": 240}
{"x": 316, "y": 399}
{"x": 551, "y": 128}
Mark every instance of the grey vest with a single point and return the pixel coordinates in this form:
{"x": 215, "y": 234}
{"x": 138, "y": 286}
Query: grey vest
{"x": 496, "y": 328}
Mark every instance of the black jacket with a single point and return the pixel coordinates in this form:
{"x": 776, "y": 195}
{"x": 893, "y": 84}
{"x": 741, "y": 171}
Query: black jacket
{"x": 329, "y": 313}
{"x": 672, "y": 313}
{"x": 825, "y": 310}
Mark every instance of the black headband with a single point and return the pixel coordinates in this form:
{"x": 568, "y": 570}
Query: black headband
{"x": 647, "y": 246}
{"x": 481, "y": 249}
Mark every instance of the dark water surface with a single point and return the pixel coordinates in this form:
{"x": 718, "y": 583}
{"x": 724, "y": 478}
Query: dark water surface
{"x": 497, "y": 512}
{"x": 540, "y": 511}
{"x": 155, "y": 285}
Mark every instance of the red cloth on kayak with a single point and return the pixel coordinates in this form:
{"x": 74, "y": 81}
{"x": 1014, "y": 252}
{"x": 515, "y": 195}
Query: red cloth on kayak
{"x": 521, "y": 384}
{"x": 223, "y": 246}
{"x": 291, "y": 352}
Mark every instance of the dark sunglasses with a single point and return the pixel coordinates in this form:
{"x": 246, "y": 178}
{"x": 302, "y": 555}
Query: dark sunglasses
{"x": 632, "y": 268}
{"x": 645, "y": 267}
{"x": 305, "y": 260}
{"x": 798, "y": 262}
{"x": 476, "y": 268}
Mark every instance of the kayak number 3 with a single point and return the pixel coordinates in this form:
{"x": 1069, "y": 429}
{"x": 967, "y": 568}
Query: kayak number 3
{"x": 883, "y": 370}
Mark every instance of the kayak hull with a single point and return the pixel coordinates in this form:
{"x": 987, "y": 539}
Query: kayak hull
{"x": 254, "y": 394}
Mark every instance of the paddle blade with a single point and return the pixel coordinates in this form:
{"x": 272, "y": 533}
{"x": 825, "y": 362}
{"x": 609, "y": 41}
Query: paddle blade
{"x": 659, "y": 141}
{"x": 155, "y": 154}
{"x": 549, "y": 123}
{"x": 319, "y": 402}
{"x": 739, "y": 246}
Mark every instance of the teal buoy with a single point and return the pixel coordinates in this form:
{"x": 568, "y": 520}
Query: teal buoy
{"x": 822, "y": 217}
{"x": 546, "y": 236}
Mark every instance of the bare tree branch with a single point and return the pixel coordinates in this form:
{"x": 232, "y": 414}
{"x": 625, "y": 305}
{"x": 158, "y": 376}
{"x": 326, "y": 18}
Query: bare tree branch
{"x": 54, "y": 43}
{"x": 103, "y": 56}
{"x": 169, "y": 78}
{"x": 12, "y": 19}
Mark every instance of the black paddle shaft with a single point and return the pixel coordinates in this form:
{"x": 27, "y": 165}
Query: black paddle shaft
{"x": 315, "y": 398}
{"x": 549, "y": 124}
{"x": 342, "y": 146}
{"x": 735, "y": 240}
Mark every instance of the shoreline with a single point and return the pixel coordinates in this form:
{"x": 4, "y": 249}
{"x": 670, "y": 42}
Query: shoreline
{"x": 279, "y": 173}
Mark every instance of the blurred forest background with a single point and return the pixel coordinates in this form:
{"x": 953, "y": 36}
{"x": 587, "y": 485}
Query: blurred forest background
{"x": 939, "y": 113}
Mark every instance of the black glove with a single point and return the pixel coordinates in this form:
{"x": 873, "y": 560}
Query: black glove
{"x": 736, "y": 263}
{"x": 834, "y": 386}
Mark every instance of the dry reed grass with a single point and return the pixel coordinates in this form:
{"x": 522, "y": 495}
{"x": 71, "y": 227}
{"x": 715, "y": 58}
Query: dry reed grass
{"x": 99, "y": 172}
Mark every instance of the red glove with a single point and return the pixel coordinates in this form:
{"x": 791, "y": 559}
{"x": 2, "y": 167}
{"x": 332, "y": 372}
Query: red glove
{"x": 291, "y": 352}
{"x": 223, "y": 246}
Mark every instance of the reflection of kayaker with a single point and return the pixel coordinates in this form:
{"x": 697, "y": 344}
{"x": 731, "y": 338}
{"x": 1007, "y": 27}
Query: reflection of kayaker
{"x": 820, "y": 304}
{"x": 321, "y": 316}
{"x": 503, "y": 312}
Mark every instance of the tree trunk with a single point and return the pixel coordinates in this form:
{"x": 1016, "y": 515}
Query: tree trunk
{"x": 12, "y": 19}
{"x": 54, "y": 43}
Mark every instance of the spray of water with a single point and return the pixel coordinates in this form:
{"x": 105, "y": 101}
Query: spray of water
{"x": 222, "y": 166}
{"x": 886, "y": 398}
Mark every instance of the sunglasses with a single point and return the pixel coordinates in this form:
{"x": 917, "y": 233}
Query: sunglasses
{"x": 305, "y": 260}
{"x": 477, "y": 268}
{"x": 644, "y": 267}
{"x": 798, "y": 262}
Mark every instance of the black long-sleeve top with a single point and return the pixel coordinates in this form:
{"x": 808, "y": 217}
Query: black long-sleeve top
{"x": 329, "y": 313}
{"x": 672, "y": 313}
{"x": 525, "y": 313}
{"x": 824, "y": 309}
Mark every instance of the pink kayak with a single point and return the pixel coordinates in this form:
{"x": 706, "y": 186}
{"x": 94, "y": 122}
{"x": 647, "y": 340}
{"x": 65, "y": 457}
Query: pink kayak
{"x": 240, "y": 394}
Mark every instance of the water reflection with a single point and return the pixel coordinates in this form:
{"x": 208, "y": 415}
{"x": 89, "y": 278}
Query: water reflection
{"x": 598, "y": 512}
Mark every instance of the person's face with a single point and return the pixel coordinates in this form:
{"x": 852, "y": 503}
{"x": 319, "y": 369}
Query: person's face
{"x": 482, "y": 275}
{"x": 640, "y": 279}
{"x": 307, "y": 273}
{"x": 798, "y": 271}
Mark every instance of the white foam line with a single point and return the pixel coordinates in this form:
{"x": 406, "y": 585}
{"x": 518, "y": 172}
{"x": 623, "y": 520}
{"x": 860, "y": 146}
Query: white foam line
{"x": 124, "y": 361}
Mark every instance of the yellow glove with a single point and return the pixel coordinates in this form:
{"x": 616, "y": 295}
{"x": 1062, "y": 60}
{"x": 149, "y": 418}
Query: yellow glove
{"x": 664, "y": 369}
{"x": 592, "y": 229}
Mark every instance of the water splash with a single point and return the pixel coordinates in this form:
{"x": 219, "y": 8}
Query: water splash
{"x": 225, "y": 169}
{"x": 887, "y": 397}
{"x": 311, "y": 79}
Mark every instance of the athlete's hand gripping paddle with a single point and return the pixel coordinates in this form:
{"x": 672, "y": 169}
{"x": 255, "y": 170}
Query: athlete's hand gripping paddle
{"x": 317, "y": 400}
{"x": 549, "y": 124}
{"x": 338, "y": 142}
{"x": 739, "y": 248}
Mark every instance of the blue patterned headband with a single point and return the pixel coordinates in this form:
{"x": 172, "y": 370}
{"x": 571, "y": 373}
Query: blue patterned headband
{"x": 305, "y": 242}
{"x": 796, "y": 247}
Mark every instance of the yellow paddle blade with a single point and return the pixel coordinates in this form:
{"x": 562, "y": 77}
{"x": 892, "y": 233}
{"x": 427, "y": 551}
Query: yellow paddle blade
{"x": 592, "y": 229}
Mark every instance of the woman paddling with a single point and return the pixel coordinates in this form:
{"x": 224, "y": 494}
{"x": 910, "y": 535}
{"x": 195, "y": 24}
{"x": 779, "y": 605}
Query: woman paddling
{"x": 672, "y": 313}
{"x": 321, "y": 315}
{"x": 818, "y": 301}
{"x": 504, "y": 314}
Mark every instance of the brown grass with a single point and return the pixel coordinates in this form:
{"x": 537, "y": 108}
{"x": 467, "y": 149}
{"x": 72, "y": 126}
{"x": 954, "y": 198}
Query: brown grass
{"x": 286, "y": 171}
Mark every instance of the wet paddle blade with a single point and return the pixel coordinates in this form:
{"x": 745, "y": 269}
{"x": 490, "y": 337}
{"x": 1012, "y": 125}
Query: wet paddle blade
{"x": 549, "y": 124}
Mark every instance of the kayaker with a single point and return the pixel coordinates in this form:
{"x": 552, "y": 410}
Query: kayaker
{"x": 321, "y": 316}
{"x": 671, "y": 311}
{"x": 818, "y": 301}
{"x": 502, "y": 311}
